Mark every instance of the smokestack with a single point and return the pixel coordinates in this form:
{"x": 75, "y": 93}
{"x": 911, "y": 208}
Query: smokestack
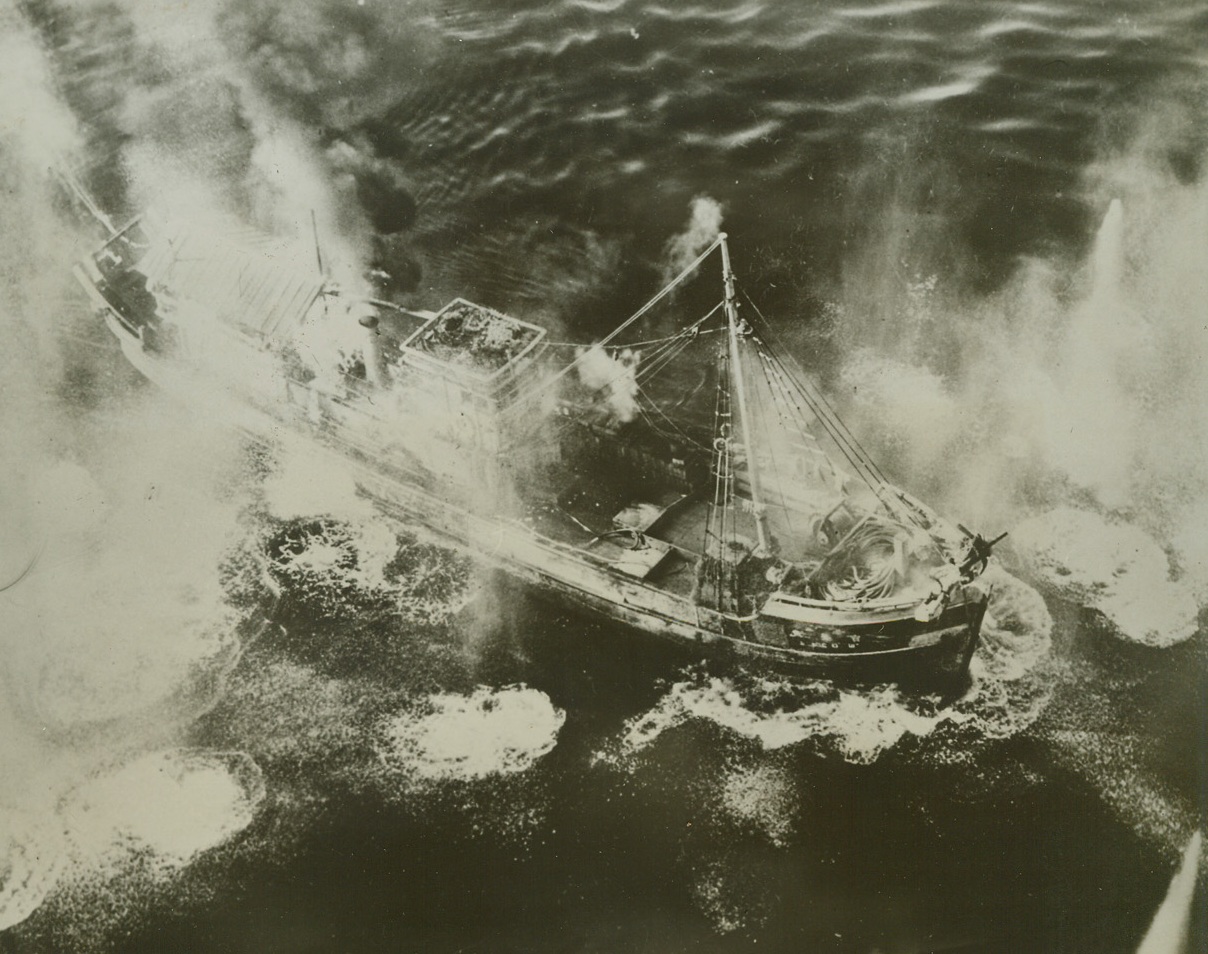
{"x": 375, "y": 361}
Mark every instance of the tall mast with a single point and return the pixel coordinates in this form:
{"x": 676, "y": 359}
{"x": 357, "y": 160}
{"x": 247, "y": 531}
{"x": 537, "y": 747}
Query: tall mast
{"x": 740, "y": 393}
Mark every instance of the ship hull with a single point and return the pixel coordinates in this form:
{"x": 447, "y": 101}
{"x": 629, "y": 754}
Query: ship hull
{"x": 930, "y": 657}
{"x": 939, "y": 664}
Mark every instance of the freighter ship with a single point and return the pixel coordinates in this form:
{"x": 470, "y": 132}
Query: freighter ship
{"x": 766, "y": 534}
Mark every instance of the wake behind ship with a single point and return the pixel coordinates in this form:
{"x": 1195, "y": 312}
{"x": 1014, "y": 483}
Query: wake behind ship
{"x": 736, "y": 531}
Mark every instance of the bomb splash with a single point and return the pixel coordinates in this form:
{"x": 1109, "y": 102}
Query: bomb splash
{"x": 489, "y": 732}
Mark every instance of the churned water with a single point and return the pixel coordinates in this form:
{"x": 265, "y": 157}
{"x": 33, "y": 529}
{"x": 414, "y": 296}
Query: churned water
{"x": 981, "y": 225}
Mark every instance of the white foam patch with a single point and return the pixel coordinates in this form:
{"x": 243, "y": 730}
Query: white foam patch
{"x": 860, "y": 725}
{"x": 489, "y": 732}
{"x": 1111, "y": 567}
{"x": 331, "y": 560}
{"x": 173, "y": 804}
{"x": 1007, "y": 694}
{"x": 350, "y": 544}
{"x": 31, "y": 858}
{"x": 163, "y": 810}
{"x": 334, "y": 552}
{"x": 763, "y": 796}
{"x": 1017, "y": 630}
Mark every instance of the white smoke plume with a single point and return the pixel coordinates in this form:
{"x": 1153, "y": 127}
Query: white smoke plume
{"x": 31, "y": 117}
{"x": 612, "y": 380}
{"x": 1075, "y": 384}
{"x": 115, "y": 513}
{"x": 205, "y": 143}
{"x": 704, "y": 224}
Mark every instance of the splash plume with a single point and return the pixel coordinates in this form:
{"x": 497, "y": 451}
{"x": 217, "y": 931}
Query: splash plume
{"x": 1068, "y": 385}
{"x": 118, "y": 636}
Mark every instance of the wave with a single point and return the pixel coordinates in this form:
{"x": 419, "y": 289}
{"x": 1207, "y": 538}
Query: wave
{"x": 1008, "y": 691}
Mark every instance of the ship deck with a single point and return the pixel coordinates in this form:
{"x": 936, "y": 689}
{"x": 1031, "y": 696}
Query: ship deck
{"x": 605, "y": 521}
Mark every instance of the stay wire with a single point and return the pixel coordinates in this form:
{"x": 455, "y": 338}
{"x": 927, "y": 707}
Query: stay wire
{"x": 663, "y": 293}
{"x": 794, "y": 407}
{"x": 865, "y": 466}
{"x": 818, "y": 402}
{"x": 761, "y": 399}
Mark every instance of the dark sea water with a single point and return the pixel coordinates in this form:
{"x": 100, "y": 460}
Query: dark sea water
{"x": 416, "y": 756}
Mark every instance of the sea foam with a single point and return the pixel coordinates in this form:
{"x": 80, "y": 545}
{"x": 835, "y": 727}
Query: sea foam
{"x": 1112, "y": 567}
{"x": 1008, "y": 690}
{"x": 489, "y": 732}
{"x": 171, "y": 804}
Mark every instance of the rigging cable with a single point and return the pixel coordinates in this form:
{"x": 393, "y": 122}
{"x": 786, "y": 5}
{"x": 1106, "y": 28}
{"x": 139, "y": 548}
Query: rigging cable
{"x": 785, "y": 385}
{"x": 624, "y": 371}
{"x": 815, "y": 398}
{"x": 679, "y": 432}
{"x": 663, "y": 293}
{"x": 760, "y": 399}
{"x": 857, "y": 456}
{"x": 633, "y": 345}
{"x": 867, "y": 472}
{"x": 654, "y": 360}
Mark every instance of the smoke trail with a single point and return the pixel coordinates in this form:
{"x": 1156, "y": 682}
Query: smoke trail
{"x": 202, "y": 140}
{"x": 32, "y": 119}
{"x": 704, "y": 224}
